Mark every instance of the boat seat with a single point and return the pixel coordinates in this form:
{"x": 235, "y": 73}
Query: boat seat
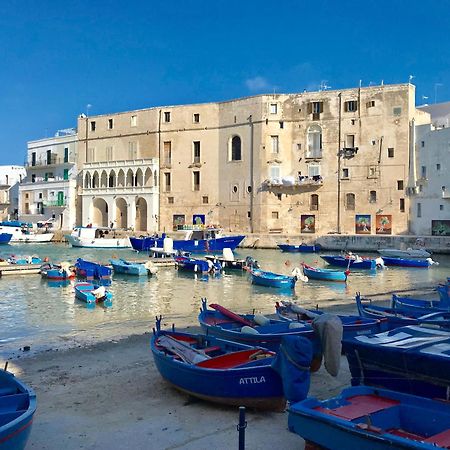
{"x": 360, "y": 406}
{"x": 405, "y": 434}
{"x": 229, "y": 360}
{"x": 440, "y": 440}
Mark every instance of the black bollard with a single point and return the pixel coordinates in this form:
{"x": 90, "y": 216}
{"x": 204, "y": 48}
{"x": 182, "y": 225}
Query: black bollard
{"x": 241, "y": 427}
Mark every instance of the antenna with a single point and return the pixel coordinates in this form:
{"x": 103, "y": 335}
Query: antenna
{"x": 436, "y": 85}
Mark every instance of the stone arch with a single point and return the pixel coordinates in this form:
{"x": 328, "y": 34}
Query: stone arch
{"x": 112, "y": 179}
{"x": 121, "y": 178}
{"x": 121, "y": 213}
{"x": 95, "y": 180}
{"x": 100, "y": 212}
{"x": 104, "y": 179}
{"x": 139, "y": 178}
{"x": 148, "y": 179}
{"x": 87, "y": 180}
{"x": 141, "y": 214}
{"x": 130, "y": 178}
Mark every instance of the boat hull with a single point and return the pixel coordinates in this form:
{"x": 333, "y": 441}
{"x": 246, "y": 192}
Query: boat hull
{"x": 402, "y": 262}
{"x": 92, "y": 270}
{"x": 75, "y": 241}
{"x": 302, "y": 248}
{"x": 5, "y": 238}
{"x": 325, "y": 274}
{"x": 127, "y": 268}
{"x": 83, "y": 292}
{"x": 367, "y": 264}
{"x": 274, "y": 280}
{"x": 408, "y": 254}
{"x": 415, "y": 306}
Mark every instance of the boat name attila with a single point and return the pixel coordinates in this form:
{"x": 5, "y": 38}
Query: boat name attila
{"x": 252, "y": 380}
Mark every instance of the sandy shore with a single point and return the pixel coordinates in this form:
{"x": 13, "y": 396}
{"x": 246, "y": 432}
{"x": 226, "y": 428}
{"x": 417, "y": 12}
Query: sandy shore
{"x": 111, "y": 396}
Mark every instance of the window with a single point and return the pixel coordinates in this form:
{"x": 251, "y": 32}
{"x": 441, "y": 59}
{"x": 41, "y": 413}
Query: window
{"x": 274, "y": 144}
{"x": 345, "y": 172}
{"x": 350, "y": 202}
{"x": 314, "y": 142}
{"x": 91, "y": 154}
{"x": 350, "y": 141}
{"x": 390, "y": 152}
{"x": 372, "y": 196}
{"x": 133, "y": 121}
{"x": 110, "y": 124}
{"x": 235, "y": 189}
{"x": 372, "y": 172}
{"x": 279, "y": 197}
{"x": 422, "y": 143}
{"x": 249, "y": 189}
{"x": 109, "y": 154}
{"x": 167, "y": 182}
{"x": 402, "y": 205}
{"x": 132, "y": 150}
{"x": 274, "y": 214}
{"x": 205, "y": 200}
{"x": 399, "y": 185}
{"x": 370, "y": 104}
{"x": 281, "y": 124}
{"x": 423, "y": 172}
{"x": 397, "y": 111}
{"x": 93, "y": 125}
{"x": 166, "y": 116}
{"x": 33, "y": 159}
{"x": 49, "y": 156}
{"x": 314, "y": 202}
{"x": 313, "y": 170}
{"x": 275, "y": 174}
{"x": 315, "y": 108}
{"x": 170, "y": 200}
{"x": 66, "y": 174}
{"x": 273, "y": 108}
{"x": 66, "y": 154}
{"x": 196, "y": 180}
{"x": 33, "y": 178}
{"x": 236, "y": 149}
{"x": 196, "y": 150}
{"x": 167, "y": 152}
{"x": 441, "y": 207}
{"x": 438, "y": 167}
{"x": 249, "y": 214}
{"x": 419, "y": 209}
{"x": 351, "y": 106}
{"x": 196, "y": 118}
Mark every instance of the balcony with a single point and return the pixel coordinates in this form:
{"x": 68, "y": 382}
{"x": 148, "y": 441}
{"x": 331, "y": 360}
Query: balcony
{"x": 313, "y": 154}
{"x": 303, "y": 183}
{"x": 59, "y": 203}
{"x": 54, "y": 161}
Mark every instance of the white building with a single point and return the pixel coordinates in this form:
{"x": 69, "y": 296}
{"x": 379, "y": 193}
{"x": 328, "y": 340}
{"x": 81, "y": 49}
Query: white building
{"x": 10, "y": 177}
{"x": 430, "y": 207}
{"x": 49, "y": 190}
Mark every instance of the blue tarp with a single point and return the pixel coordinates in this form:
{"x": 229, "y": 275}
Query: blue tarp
{"x": 293, "y": 363}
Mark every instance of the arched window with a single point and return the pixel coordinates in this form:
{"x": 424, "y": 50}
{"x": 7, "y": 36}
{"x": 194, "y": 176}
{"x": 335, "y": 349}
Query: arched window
{"x": 350, "y": 202}
{"x": 236, "y": 149}
{"x": 87, "y": 180}
{"x": 95, "y": 180}
{"x": 314, "y": 202}
{"x": 112, "y": 179}
{"x": 314, "y": 142}
{"x": 373, "y": 196}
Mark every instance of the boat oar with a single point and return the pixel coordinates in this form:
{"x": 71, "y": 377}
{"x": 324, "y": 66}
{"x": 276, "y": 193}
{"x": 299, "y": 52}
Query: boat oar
{"x": 231, "y": 315}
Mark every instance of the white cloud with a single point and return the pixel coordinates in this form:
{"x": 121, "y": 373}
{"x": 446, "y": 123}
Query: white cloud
{"x": 257, "y": 84}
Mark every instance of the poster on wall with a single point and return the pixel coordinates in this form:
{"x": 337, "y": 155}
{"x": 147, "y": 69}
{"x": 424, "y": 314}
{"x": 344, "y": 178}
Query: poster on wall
{"x": 198, "y": 219}
{"x": 362, "y": 223}
{"x": 383, "y": 223}
{"x": 308, "y": 223}
{"x": 440, "y": 227}
{"x": 179, "y": 221}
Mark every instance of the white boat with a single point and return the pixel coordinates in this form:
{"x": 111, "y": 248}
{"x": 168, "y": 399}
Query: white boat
{"x": 95, "y": 237}
{"x": 24, "y": 232}
{"x": 407, "y": 254}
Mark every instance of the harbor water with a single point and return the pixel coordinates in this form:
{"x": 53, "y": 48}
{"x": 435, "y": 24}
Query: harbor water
{"x": 41, "y": 314}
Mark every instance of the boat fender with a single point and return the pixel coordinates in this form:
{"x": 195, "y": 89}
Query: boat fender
{"x": 380, "y": 262}
{"x": 259, "y": 319}
{"x": 249, "y": 330}
{"x": 432, "y": 262}
{"x": 294, "y": 325}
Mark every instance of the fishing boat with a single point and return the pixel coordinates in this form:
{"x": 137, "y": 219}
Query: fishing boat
{"x": 317, "y": 273}
{"x": 412, "y": 305}
{"x": 251, "y": 329}
{"x": 92, "y": 293}
{"x": 228, "y": 261}
{"x": 217, "y": 370}
{"x": 402, "y": 262}
{"x": 366, "y": 418}
{"x": 24, "y": 259}
{"x": 352, "y": 325}
{"x": 17, "y": 408}
{"x": 275, "y": 280}
{"x": 409, "y": 253}
{"x": 24, "y": 232}
{"x": 195, "y": 240}
{"x": 196, "y": 265}
{"x": 351, "y": 261}
{"x": 5, "y": 238}
{"x": 412, "y": 359}
{"x": 302, "y": 248}
{"x": 62, "y": 271}
{"x": 131, "y": 268}
{"x": 391, "y": 318}
{"x": 96, "y": 237}
{"x": 90, "y": 270}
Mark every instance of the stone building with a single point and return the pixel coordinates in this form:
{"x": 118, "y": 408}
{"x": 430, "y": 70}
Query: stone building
{"x": 312, "y": 163}
{"x": 10, "y": 177}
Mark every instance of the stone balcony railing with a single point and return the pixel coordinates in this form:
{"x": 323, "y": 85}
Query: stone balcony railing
{"x": 120, "y": 190}
{"x": 294, "y": 184}
{"x": 121, "y": 163}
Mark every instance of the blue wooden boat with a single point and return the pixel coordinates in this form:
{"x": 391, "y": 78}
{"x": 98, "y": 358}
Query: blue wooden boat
{"x": 376, "y": 419}
{"x": 272, "y": 279}
{"x": 402, "y": 262}
{"x": 17, "y": 408}
{"x": 217, "y": 370}
{"x": 5, "y": 238}
{"x": 412, "y": 359}
{"x": 92, "y": 270}
{"x": 416, "y": 306}
{"x": 350, "y": 262}
{"x": 317, "y": 273}
{"x": 352, "y": 325}
{"x": 396, "y": 317}
{"x": 58, "y": 272}
{"x": 128, "y": 268}
{"x": 197, "y": 265}
{"x": 302, "y": 248}
{"x": 195, "y": 240}
{"x": 92, "y": 293}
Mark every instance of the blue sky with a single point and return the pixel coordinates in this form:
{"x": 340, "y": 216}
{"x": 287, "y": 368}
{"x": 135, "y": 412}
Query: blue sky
{"x": 59, "y": 56}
